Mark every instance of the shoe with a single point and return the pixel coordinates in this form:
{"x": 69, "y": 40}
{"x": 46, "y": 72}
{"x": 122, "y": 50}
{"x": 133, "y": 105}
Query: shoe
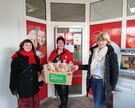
{"x": 62, "y": 106}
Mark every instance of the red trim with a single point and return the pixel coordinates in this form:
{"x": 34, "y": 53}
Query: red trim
{"x": 77, "y": 80}
{"x": 43, "y": 92}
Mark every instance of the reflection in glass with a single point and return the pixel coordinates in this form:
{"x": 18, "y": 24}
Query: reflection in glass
{"x": 105, "y": 9}
{"x": 131, "y": 7}
{"x": 75, "y": 89}
{"x": 67, "y": 12}
{"x": 127, "y": 62}
{"x": 36, "y": 9}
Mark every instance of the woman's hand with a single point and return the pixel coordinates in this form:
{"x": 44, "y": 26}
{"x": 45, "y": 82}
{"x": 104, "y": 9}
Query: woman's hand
{"x": 49, "y": 61}
{"x": 76, "y": 67}
{"x": 41, "y": 76}
{"x": 113, "y": 92}
{"x": 14, "y": 92}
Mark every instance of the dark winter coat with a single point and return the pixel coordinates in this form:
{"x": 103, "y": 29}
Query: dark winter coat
{"x": 24, "y": 77}
{"x": 111, "y": 71}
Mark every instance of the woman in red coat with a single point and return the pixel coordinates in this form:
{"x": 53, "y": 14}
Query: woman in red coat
{"x": 61, "y": 55}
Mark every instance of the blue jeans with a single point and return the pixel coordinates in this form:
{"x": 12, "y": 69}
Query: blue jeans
{"x": 98, "y": 90}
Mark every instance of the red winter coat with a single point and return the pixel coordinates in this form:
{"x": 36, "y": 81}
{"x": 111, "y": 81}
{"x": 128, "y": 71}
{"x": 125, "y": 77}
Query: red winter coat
{"x": 66, "y": 55}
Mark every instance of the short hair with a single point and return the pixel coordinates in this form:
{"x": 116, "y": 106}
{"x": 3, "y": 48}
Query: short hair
{"x": 61, "y": 38}
{"x": 104, "y": 36}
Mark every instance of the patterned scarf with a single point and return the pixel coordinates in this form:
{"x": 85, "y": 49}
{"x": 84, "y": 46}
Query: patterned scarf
{"x": 97, "y": 57}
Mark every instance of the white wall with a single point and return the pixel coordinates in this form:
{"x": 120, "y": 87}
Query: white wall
{"x": 11, "y": 24}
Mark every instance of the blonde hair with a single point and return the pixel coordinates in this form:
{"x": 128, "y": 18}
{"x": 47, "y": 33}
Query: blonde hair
{"x": 103, "y": 36}
{"x": 32, "y": 35}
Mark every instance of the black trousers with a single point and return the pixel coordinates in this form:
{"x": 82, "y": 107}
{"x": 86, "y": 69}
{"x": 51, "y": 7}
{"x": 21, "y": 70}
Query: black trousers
{"x": 62, "y": 91}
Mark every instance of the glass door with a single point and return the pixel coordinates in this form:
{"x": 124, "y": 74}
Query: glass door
{"x": 73, "y": 42}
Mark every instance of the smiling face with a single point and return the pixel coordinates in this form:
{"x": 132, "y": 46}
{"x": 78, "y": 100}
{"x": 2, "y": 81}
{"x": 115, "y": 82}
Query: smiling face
{"x": 32, "y": 35}
{"x": 102, "y": 39}
{"x": 101, "y": 43}
{"x": 27, "y": 47}
{"x": 41, "y": 37}
{"x": 60, "y": 45}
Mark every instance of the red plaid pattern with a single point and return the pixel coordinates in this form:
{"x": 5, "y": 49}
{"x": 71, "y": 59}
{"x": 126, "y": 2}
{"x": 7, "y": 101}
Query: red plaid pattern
{"x": 32, "y": 102}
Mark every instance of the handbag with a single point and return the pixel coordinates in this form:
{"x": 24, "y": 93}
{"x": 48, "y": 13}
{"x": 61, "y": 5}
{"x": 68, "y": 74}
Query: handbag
{"x": 88, "y": 84}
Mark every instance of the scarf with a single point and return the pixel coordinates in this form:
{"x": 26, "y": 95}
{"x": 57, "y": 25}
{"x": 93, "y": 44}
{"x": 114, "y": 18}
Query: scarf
{"x": 30, "y": 55}
{"x": 97, "y": 58}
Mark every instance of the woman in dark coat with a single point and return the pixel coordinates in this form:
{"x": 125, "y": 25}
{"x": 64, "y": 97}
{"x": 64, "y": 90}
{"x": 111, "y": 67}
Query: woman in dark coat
{"x": 102, "y": 69}
{"x": 24, "y": 83}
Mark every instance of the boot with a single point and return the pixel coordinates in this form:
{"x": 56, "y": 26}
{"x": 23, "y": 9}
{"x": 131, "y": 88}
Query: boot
{"x": 64, "y": 96}
{"x": 62, "y": 106}
{"x": 62, "y": 91}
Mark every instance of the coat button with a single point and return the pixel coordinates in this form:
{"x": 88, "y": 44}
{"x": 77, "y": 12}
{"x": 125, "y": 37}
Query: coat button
{"x": 31, "y": 70}
{"x": 31, "y": 79}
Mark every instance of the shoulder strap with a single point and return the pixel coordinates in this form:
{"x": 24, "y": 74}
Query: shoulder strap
{"x": 25, "y": 70}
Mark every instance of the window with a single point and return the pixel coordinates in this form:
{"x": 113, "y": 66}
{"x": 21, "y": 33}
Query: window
{"x": 36, "y": 8}
{"x": 105, "y": 9}
{"x": 131, "y": 7}
{"x": 68, "y": 12}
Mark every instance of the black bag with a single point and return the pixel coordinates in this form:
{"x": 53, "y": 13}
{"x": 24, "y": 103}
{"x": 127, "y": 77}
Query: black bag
{"x": 88, "y": 84}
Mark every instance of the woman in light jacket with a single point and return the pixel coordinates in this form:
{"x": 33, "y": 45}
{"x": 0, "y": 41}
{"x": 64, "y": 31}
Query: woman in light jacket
{"x": 102, "y": 70}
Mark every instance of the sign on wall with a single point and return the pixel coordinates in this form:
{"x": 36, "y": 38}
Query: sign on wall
{"x": 113, "y": 29}
{"x": 130, "y": 39}
{"x": 37, "y": 33}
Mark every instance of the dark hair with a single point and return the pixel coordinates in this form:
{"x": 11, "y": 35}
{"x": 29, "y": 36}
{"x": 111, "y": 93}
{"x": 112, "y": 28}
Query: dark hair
{"x": 61, "y": 38}
{"x": 26, "y": 41}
